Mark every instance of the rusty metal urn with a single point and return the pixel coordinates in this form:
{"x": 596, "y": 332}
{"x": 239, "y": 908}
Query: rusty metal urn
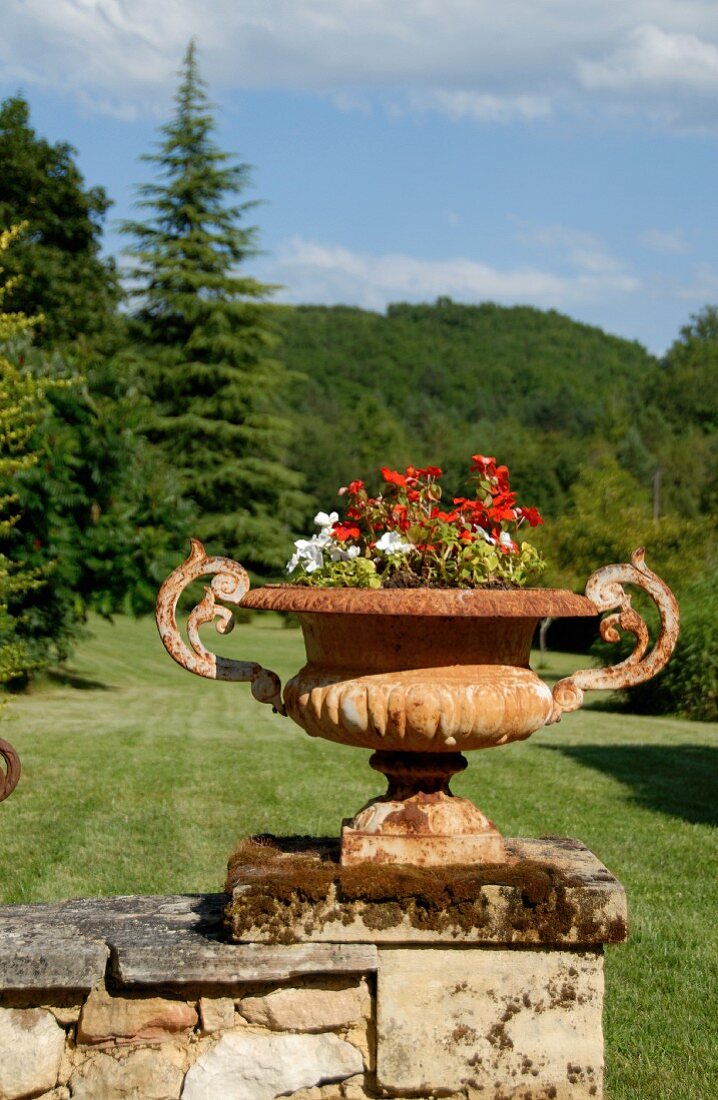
{"x": 11, "y": 774}
{"x": 418, "y": 676}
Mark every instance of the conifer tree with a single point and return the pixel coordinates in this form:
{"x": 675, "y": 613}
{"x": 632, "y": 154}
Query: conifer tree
{"x": 207, "y": 330}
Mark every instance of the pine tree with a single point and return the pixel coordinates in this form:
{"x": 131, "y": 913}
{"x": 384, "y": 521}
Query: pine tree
{"x": 215, "y": 385}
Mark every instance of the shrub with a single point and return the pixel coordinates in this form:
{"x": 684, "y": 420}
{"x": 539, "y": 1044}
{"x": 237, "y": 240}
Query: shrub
{"x": 689, "y": 684}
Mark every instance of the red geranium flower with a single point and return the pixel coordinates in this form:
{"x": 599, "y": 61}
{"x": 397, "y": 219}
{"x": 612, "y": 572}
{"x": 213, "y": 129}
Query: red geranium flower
{"x": 393, "y": 477}
{"x": 343, "y": 531}
{"x": 532, "y": 515}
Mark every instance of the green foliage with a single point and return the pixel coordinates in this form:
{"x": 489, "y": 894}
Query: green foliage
{"x": 21, "y": 408}
{"x": 688, "y": 685}
{"x": 352, "y": 573}
{"x": 63, "y": 275}
{"x": 99, "y": 516}
{"x": 441, "y": 380}
{"x": 689, "y": 376}
{"x": 608, "y": 516}
{"x": 208, "y": 340}
{"x": 98, "y": 503}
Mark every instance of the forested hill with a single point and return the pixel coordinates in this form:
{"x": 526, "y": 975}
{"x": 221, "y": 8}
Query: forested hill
{"x": 434, "y": 383}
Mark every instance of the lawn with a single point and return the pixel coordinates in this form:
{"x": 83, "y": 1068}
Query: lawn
{"x": 139, "y": 778}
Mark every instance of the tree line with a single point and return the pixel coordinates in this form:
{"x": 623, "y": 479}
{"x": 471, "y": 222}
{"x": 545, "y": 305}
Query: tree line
{"x": 179, "y": 399}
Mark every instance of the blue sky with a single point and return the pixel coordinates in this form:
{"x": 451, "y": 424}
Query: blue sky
{"x": 560, "y": 153}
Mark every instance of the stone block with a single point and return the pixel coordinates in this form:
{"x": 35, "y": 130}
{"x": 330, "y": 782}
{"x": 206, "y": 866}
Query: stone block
{"x": 107, "y": 1019}
{"x": 173, "y": 940}
{"x": 307, "y": 1009}
{"x": 31, "y": 1046}
{"x": 245, "y": 1066}
{"x": 491, "y": 1020}
{"x": 48, "y": 958}
{"x": 216, "y": 1014}
{"x": 550, "y": 892}
{"x": 31, "y": 1049}
{"x": 139, "y": 1075}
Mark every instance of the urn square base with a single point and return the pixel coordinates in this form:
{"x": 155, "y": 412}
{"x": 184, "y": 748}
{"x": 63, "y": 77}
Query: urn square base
{"x": 424, "y": 851}
{"x": 489, "y": 979}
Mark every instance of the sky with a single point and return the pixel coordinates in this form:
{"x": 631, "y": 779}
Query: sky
{"x": 555, "y": 153}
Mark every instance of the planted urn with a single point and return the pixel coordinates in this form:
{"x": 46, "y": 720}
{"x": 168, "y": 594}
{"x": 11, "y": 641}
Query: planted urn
{"x": 418, "y": 621}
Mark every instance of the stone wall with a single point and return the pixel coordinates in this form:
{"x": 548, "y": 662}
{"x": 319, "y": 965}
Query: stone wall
{"x": 143, "y": 998}
{"x": 306, "y": 1039}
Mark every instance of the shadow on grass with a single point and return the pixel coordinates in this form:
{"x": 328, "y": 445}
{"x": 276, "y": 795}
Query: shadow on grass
{"x": 66, "y": 677}
{"x": 681, "y": 782}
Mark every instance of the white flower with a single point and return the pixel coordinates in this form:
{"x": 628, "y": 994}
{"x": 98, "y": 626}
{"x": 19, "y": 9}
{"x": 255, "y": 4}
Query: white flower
{"x": 506, "y": 540}
{"x": 338, "y": 553}
{"x": 324, "y": 520}
{"x": 391, "y": 542}
{"x": 309, "y": 553}
{"x": 484, "y": 535}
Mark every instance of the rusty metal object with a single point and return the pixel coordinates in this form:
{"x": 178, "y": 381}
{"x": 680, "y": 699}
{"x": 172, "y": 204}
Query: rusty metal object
{"x": 438, "y": 710}
{"x": 605, "y": 590}
{"x": 229, "y": 584}
{"x": 8, "y": 780}
{"x": 419, "y": 675}
{"x": 419, "y": 820}
{"x": 492, "y": 603}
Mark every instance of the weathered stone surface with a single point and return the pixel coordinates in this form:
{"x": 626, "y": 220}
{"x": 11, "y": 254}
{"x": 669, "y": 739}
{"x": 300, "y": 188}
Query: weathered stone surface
{"x": 66, "y": 1015}
{"x": 353, "y": 1088}
{"x": 141, "y": 1075}
{"x": 106, "y": 1019}
{"x": 31, "y": 1046}
{"x": 216, "y": 1013}
{"x": 47, "y": 958}
{"x": 306, "y": 1009}
{"x": 554, "y": 892}
{"x": 230, "y": 964}
{"x": 174, "y": 939}
{"x": 245, "y": 1066}
{"x": 456, "y": 1018}
{"x": 318, "y": 1092}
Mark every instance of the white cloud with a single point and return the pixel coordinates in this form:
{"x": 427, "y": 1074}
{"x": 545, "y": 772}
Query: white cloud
{"x": 580, "y": 248}
{"x": 664, "y": 240}
{"x": 314, "y": 272}
{"x": 478, "y": 106}
{"x": 653, "y": 58}
{"x": 468, "y": 59}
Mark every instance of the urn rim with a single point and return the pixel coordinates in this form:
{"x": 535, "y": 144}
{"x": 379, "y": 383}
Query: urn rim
{"x": 493, "y": 603}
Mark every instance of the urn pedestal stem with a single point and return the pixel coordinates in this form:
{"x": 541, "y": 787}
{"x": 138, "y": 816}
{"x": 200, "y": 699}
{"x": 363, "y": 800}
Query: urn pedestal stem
{"x": 419, "y": 820}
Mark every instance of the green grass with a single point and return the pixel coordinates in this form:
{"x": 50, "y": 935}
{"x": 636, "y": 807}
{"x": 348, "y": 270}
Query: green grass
{"x": 139, "y": 778}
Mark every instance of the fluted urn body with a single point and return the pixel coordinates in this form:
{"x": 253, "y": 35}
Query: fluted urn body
{"x": 434, "y": 671}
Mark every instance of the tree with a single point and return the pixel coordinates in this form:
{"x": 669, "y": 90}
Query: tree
{"x": 98, "y": 516}
{"x": 689, "y": 384}
{"x": 609, "y": 515}
{"x": 63, "y": 275}
{"x": 21, "y": 408}
{"x": 209, "y": 337}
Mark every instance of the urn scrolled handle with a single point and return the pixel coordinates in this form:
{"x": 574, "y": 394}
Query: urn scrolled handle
{"x": 605, "y": 589}
{"x": 8, "y": 779}
{"x": 230, "y": 583}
